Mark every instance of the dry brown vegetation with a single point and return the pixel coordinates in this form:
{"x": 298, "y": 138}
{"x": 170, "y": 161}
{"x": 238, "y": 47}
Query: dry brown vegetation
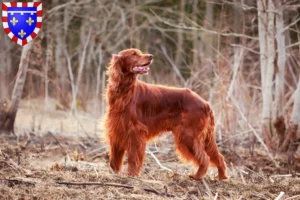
{"x": 39, "y": 165}
{"x": 240, "y": 55}
{"x": 35, "y": 165}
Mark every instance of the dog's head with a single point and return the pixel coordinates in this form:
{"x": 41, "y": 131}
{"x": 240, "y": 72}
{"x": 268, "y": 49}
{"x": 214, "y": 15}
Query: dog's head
{"x": 133, "y": 61}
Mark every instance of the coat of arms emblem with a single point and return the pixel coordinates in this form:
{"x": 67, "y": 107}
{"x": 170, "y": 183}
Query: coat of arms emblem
{"x": 22, "y": 20}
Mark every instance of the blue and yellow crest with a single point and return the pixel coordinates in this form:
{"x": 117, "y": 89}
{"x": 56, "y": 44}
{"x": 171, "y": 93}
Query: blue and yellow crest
{"x": 22, "y": 20}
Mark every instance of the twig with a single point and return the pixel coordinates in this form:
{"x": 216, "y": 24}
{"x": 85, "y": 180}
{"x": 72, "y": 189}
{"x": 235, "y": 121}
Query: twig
{"x": 255, "y": 173}
{"x": 108, "y": 184}
{"x": 293, "y": 45}
{"x": 246, "y": 48}
{"x": 216, "y": 196}
{"x": 207, "y": 188}
{"x": 97, "y": 175}
{"x": 175, "y": 68}
{"x": 158, "y": 162}
{"x": 282, "y": 175}
{"x": 17, "y": 182}
{"x": 95, "y": 183}
{"x": 255, "y": 133}
{"x": 95, "y": 150}
{"x": 242, "y": 177}
{"x": 234, "y": 136}
{"x": 202, "y": 29}
{"x": 56, "y": 139}
{"x": 290, "y": 25}
{"x": 74, "y": 114}
{"x": 279, "y": 196}
{"x": 11, "y": 162}
{"x": 146, "y": 184}
{"x": 293, "y": 197}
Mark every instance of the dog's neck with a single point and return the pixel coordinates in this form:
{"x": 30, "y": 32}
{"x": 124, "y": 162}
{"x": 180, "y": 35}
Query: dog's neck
{"x": 122, "y": 84}
{"x": 120, "y": 92}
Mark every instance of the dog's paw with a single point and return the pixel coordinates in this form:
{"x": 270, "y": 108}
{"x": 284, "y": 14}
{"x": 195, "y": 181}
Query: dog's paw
{"x": 222, "y": 177}
{"x": 195, "y": 177}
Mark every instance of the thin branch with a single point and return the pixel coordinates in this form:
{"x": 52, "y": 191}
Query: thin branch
{"x": 293, "y": 45}
{"x": 111, "y": 184}
{"x": 255, "y": 133}
{"x": 17, "y": 182}
{"x": 246, "y": 48}
{"x": 290, "y": 25}
{"x": 203, "y": 29}
{"x": 158, "y": 162}
{"x": 279, "y": 196}
{"x": 207, "y": 188}
{"x": 175, "y": 68}
{"x": 216, "y": 196}
{"x": 12, "y": 163}
{"x": 293, "y": 197}
{"x": 56, "y": 139}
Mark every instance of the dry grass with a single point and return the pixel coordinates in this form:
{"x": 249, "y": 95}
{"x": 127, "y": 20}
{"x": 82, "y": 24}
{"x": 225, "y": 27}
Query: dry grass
{"x": 32, "y": 167}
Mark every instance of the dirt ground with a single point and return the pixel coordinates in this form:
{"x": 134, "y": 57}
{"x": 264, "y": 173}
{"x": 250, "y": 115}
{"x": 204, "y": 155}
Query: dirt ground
{"x": 57, "y": 156}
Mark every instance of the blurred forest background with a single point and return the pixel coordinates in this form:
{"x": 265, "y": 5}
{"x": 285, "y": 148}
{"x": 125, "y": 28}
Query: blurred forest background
{"x": 243, "y": 56}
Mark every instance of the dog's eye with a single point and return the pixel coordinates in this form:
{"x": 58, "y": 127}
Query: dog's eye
{"x": 134, "y": 54}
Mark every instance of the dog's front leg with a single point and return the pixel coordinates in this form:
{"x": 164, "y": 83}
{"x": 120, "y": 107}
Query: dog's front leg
{"x": 136, "y": 153}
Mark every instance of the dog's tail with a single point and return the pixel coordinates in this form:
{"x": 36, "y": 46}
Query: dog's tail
{"x": 210, "y": 126}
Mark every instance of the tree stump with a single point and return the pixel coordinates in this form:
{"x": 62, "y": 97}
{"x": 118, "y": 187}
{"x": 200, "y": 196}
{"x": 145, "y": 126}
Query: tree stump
{"x": 7, "y": 118}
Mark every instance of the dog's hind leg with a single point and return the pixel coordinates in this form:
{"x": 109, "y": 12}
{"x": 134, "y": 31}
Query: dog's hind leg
{"x": 191, "y": 148}
{"x": 217, "y": 159}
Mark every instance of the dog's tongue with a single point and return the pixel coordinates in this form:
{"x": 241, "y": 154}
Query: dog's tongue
{"x": 141, "y": 69}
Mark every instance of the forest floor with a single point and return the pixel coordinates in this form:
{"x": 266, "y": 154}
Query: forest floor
{"x": 51, "y": 160}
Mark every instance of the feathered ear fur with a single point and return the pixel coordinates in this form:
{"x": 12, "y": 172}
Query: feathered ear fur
{"x": 116, "y": 56}
{"x": 114, "y": 71}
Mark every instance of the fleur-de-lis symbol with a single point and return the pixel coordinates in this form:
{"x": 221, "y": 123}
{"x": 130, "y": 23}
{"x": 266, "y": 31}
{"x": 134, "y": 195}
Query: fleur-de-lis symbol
{"x": 22, "y": 33}
{"x": 14, "y": 21}
{"x": 29, "y": 21}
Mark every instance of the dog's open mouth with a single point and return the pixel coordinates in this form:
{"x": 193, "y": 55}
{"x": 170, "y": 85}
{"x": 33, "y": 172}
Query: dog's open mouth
{"x": 143, "y": 69}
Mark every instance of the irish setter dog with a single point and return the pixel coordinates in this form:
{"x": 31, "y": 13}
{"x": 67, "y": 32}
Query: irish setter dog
{"x": 138, "y": 111}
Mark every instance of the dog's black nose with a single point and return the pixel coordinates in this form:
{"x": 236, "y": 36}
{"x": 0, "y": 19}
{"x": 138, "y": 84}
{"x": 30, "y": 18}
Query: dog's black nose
{"x": 150, "y": 56}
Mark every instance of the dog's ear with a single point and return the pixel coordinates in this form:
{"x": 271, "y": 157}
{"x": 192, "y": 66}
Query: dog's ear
{"x": 114, "y": 71}
{"x": 116, "y": 56}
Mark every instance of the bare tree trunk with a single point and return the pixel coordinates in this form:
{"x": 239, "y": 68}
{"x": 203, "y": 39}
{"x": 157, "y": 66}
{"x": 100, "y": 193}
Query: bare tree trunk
{"x": 195, "y": 65}
{"x": 5, "y": 66}
{"x": 268, "y": 76}
{"x": 81, "y": 66}
{"x": 98, "y": 80}
{"x": 262, "y": 27}
{"x": 179, "y": 49}
{"x": 3, "y": 90}
{"x": 295, "y": 119}
{"x": 294, "y": 122}
{"x": 279, "y": 122}
{"x": 8, "y": 118}
{"x": 103, "y": 103}
{"x": 48, "y": 65}
{"x": 60, "y": 63}
{"x": 237, "y": 52}
{"x": 132, "y": 30}
{"x": 208, "y": 47}
{"x": 71, "y": 79}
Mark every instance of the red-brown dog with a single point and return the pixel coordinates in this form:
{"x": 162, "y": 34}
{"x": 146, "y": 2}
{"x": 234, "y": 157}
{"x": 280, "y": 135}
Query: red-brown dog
{"x": 138, "y": 111}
